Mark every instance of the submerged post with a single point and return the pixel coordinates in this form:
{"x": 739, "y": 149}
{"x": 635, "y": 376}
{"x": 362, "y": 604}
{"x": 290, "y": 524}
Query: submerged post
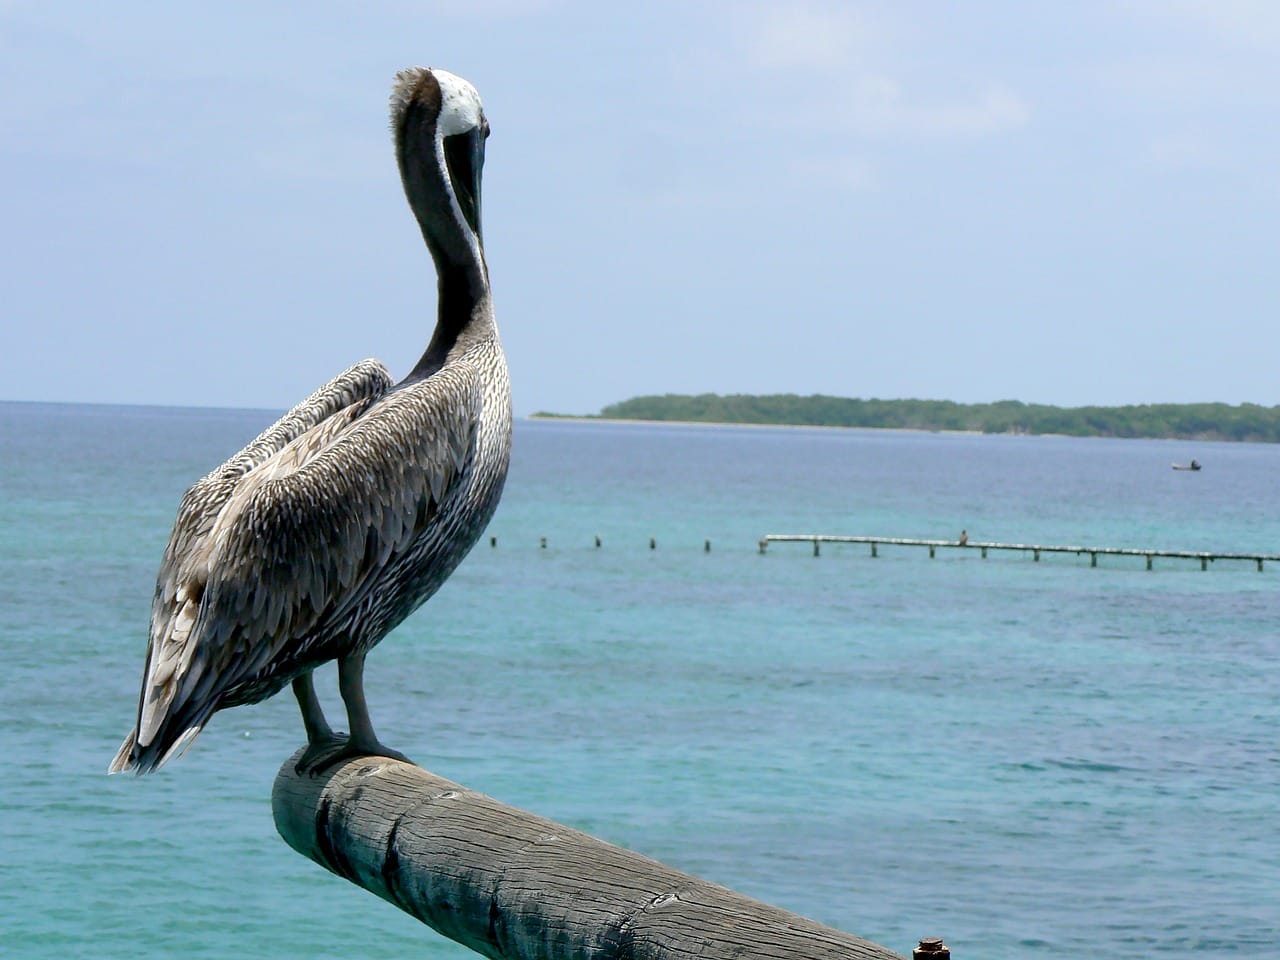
{"x": 509, "y": 884}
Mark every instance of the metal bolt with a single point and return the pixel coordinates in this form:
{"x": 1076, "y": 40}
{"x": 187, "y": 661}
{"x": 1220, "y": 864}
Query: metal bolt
{"x": 931, "y": 948}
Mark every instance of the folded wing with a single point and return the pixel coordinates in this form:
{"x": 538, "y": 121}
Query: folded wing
{"x": 313, "y": 524}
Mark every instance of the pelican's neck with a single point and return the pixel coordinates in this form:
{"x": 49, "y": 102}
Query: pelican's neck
{"x": 462, "y": 314}
{"x": 464, "y": 307}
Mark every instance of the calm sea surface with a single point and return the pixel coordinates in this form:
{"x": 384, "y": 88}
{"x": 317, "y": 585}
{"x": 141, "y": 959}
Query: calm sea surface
{"x": 1030, "y": 759}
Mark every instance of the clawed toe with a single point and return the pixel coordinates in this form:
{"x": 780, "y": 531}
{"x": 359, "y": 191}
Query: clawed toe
{"x": 322, "y": 754}
{"x": 319, "y": 754}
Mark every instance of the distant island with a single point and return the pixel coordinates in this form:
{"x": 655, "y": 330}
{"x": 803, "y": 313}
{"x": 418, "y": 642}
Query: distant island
{"x": 1179, "y": 421}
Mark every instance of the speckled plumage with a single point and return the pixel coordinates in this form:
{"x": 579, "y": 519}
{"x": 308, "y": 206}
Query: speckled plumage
{"x": 338, "y": 521}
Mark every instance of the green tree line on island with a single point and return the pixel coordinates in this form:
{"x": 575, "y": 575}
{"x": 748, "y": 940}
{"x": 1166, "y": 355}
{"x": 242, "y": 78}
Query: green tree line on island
{"x": 1183, "y": 421}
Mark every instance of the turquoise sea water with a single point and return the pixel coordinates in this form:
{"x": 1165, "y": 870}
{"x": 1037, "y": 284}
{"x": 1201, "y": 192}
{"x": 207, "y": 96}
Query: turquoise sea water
{"x": 1030, "y": 759}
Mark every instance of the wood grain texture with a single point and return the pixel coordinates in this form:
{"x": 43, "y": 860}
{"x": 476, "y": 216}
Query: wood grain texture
{"x": 509, "y": 884}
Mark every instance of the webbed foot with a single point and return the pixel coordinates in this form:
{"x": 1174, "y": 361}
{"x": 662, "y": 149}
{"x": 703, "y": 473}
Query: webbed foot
{"x": 338, "y": 748}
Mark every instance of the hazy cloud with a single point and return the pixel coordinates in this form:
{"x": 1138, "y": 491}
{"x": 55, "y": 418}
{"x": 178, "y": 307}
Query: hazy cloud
{"x": 806, "y": 36}
{"x": 474, "y": 9}
{"x": 877, "y": 106}
{"x": 1185, "y": 151}
{"x": 846, "y": 173}
{"x": 1254, "y": 23}
{"x": 834, "y": 54}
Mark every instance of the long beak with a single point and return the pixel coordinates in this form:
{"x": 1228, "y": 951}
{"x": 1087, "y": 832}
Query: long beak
{"x": 464, "y": 155}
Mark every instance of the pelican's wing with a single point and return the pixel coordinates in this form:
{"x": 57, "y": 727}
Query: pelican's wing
{"x": 183, "y": 568}
{"x": 305, "y": 537}
{"x": 359, "y": 386}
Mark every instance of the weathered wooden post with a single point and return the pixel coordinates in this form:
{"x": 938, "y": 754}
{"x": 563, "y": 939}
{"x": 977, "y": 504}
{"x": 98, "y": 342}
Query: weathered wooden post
{"x": 516, "y": 886}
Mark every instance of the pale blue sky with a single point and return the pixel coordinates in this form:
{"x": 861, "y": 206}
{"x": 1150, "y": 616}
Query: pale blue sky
{"x": 1068, "y": 203}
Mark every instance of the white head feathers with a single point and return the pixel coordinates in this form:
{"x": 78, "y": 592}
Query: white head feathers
{"x": 460, "y": 106}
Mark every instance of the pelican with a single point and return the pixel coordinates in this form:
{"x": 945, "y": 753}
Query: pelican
{"x": 337, "y": 522}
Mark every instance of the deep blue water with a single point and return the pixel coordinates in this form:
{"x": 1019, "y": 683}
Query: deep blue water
{"x": 1030, "y": 759}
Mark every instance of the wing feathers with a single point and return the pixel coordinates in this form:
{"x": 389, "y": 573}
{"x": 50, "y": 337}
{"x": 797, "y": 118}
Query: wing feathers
{"x": 299, "y": 539}
{"x": 195, "y": 539}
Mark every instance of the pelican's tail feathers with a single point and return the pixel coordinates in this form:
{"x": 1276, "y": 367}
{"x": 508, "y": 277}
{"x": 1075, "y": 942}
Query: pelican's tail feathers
{"x": 124, "y": 756}
{"x": 153, "y": 756}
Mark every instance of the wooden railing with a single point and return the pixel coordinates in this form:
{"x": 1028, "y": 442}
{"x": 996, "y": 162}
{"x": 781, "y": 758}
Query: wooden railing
{"x": 509, "y": 884}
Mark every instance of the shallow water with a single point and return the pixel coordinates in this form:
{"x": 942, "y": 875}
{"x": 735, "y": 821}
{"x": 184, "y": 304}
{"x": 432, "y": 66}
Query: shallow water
{"x": 1031, "y": 759}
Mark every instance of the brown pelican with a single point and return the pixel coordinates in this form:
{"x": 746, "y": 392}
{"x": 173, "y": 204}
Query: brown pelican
{"x": 326, "y": 531}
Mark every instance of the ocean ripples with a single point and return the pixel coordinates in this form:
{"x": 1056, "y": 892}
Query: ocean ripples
{"x": 1031, "y": 759}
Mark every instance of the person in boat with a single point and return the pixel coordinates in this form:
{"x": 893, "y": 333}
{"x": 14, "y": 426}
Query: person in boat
{"x": 1195, "y": 464}
{"x": 964, "y": 538}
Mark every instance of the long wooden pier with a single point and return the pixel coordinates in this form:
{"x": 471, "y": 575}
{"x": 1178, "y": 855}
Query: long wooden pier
{"x": 1035, "y": 549}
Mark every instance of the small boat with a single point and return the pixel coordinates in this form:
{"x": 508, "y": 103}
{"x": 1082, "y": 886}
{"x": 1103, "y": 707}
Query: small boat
{"x": 1193, "y": 465}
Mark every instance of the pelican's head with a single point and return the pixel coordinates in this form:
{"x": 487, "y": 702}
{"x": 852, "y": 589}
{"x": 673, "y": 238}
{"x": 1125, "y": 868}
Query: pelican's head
{"x": 440, "y": 130}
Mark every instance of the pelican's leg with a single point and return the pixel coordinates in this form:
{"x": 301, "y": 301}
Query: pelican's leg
{"x": 351, "y": 685}
{"x": 320, "y": 736}
{"x": 362, "y": 742}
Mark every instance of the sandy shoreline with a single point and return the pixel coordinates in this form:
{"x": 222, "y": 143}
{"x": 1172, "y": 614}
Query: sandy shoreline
{"x": 750, "y": 426}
